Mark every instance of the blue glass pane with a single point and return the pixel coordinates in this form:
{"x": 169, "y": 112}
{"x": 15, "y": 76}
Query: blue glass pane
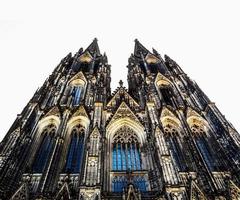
{"x": 124, "y": 164}
{"x": 133, "y": 157}
{"x": 71, "y": 153}
{"x": 174, "y": 150}
{"x": 119, "y": 183}
{"x": 79, "y": 154}
{"x": 77, "y": 95}
{"x": 119, "y": 157}
{"x": 114, "y": 157}
{"x": 129, "y": 157}
{"x": 43, "y": 154}
{"x": 138, "y": 159}
{"x": 126, "y": 157}
{"x": 140, "y": 183}
{"x": 203, "y": 147}
{"x": 74, "y": 157}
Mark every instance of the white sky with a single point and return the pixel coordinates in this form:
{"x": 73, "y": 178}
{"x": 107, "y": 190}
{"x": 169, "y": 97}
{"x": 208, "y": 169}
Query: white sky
{"x": 202, "y": 37}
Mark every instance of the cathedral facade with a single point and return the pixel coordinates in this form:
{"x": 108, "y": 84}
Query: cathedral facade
{"x": 162, "y": 138}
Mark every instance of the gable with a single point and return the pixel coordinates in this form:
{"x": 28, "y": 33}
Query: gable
{"x": 122, "y": 92}
{"x": 80, "y": 112}
{"x": 54, "y": 111}
{"x": 161, "y": 80}
{"x": 167, "y": 116}
{"x": 63, "y": 193}
{"x": 78, "y": 77}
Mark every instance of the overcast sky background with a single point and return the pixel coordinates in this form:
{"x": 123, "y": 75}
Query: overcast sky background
{"x": 202, "y": 37}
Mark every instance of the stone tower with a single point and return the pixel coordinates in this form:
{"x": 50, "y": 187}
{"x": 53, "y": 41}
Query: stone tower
{"x": 162, "y": 138}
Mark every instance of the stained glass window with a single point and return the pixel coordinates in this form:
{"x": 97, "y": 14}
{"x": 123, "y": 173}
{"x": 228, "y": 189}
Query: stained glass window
{"x": 140, "y": 183}
{"x": 77, "y": 95}
{"x": 173, "y": 141}
{"x": 204, "y": 149}
{"x": 126, "y": 156}
{"x": 118, "y": 183}
{"x": 75, "y": 151}
{"x": 126, "y": 151}
{"x": 203, "y": 146}
{"x": 166, "y": 95}
{"x": 44, "y": 150}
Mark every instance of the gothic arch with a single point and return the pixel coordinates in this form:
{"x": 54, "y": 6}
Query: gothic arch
{"x": 78, "y": 80}
{"x": 173, "y": 138}
{"x": 82, "y": 124}
{"x": 131, "y": 134}
{"x": 73, "y": 121}
{"x": 161, "y": 80}
{"x": 139, "y": 129}
{"x": 167, "y": 117}
{"x": 195, "y": 120}
{"x": 77, "y": 88}
{"x": 52, "y": 119}
{"x": 47, "y": 132}
{"x": 200, "y": 132}
{"x": 42, "y": 124}
{"x": 165, "y": 89}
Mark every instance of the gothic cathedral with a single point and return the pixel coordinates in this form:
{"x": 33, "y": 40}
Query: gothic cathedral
{"x": 162, "y": 138}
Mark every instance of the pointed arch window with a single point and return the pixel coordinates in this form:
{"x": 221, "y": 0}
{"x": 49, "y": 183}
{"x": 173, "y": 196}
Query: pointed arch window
{"x": 126, "y": 156}
{"x": 75, "y": 151}
{"x": 126, "y": 151}
{"x": 77, "y": 92}
{"x": 203, "y": 146}
{"x": 166, "y": 93}
{"x": 45, "y": 149}
{"x": 77, "y": 86}
{"x": 172, "y": 139}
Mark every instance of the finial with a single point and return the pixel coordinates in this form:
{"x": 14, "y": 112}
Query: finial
{"x": 95, "y": 39}
{"x": 121, "y": 83}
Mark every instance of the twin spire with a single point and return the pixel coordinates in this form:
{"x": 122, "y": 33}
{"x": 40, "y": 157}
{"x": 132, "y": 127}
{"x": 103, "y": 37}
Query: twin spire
{"x": 139, "y": 49}
{"x": 149, "y": 62}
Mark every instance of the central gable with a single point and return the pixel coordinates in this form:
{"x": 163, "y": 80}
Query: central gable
{"x": 125, "y": 117}
{"x": 122, "y": 92}
{"x": 124, "y": 112}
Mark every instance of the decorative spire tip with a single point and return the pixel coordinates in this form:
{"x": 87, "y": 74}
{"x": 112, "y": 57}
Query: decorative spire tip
{"x": 121, "y": 83}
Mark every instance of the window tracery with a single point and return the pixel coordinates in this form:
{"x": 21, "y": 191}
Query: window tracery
{"x": 203, "y": 146}
{"x": 76, "y": 93}
{"x": 126, "y": 150}
{"x": 126, "y": 157}
{"x": 75, "y": 151}
{"x": 45, "y": 149}
{"x": 175, "y": 146}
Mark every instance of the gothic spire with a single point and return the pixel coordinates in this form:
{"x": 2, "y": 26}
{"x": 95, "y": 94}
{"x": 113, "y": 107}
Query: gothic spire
{"x": 93, "y": 48}
{"x": 140, "y": 49}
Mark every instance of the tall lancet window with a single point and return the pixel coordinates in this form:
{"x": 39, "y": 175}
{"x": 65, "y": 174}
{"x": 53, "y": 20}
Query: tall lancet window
{"x": 126, "y": 156}
{"x": 203, "y": 146}
{"x": 175, "y": 146}
{"x": 44, "y": 151}
{"x": 77, "y": 91}
{"x": 75, "y": 150}
{"x": 166, "y": 93}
